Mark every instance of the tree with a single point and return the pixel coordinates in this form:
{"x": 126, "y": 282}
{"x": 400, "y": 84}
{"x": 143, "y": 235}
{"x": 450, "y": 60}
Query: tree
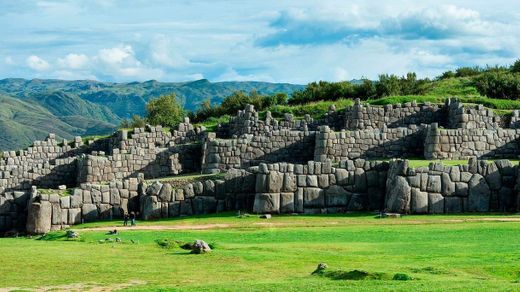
{"x": 135, "y": 122}
{"x": 164, "y": 110}
{"x": 515, "y": 68}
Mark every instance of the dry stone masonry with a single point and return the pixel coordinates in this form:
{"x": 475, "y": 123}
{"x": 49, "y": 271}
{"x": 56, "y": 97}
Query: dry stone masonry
{"x": 335, "y": 164}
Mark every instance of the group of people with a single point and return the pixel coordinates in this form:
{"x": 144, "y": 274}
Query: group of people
{"x": 130, "y": 217}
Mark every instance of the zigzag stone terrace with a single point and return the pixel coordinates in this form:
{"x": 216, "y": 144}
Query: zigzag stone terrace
{"x": 336, "y": 164}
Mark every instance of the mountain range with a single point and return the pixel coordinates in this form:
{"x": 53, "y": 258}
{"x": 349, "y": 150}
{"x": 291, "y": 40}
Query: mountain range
{"x": 30, "y": 109}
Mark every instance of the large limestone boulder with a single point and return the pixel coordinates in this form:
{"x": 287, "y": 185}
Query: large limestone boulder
{"x": 89, "y": 212}
{"x": 287, "y": 202}
{"x": 314, "y": 198}
{"x": 166, "y": 193}
{"x": 336, "y": 196}
{"x": 150, "y": 208}
{"x": 39, "y": 217}
{"x": 356, "y": 202}
{"x": 435, "y": 203}
{"x": 419, "y": 203}
{"x": 479, "y": 194}
{"x": 275, "y": 182}
{"x": 267, "y": 203}
{"x": 398, "y": 195}
{"x": 204, "y": 205}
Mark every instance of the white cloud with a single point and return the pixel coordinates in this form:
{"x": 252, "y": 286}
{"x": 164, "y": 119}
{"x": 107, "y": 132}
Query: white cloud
{"x": 74, "y": 61}
{"x": 117, "y": 55}
{"x": 163, "y": 54}
{"x": 9, "y": 60}
{"x": 36, "y": 63}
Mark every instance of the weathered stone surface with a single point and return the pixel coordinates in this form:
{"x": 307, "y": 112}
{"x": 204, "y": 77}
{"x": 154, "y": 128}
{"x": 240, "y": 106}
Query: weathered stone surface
{"x": 448, "y": 187}
{"x": 479, "y": 194}
{"x": 455, "y": 174}
{"x": 398, "y": 195}
{"x": 209, "y": 188}
{"x": 74, "y": 216}
{"x": 274, "y": 182}
{"x": 150, "y": 208}
{"x": 174, "y": 209}
{"x": 39, "y": 217}
{"x": 165, "y": 195}
{"x": 155, "y": 188}
{"x": 461, "y": 189}
{"x": 199, "y": 247}
{"x": 286, "y": 202}
{"x": 360, "y": 180}
{"x": 188, "y": 191}
{"x": 204, "y": 205}
{"x": 314, "y": 198}
{"x": 453, "y": 205}
{"x": 311, "y": 181}
{"x": 356, "y": 202}
{"x": 493, "y": 178}
{"x": 89, "y": 212}
{"x": 65, "y": 202}
{"x": 198, "y": 188}
{"x": 341, "y": 176}
{"x": 435, "y": 203}
{"x": 434, "y": 184}
{"x": 186, "y": 208}
{"x": 267, "y": 203}
{"x": 419, "y": 201}
{"x": 298, "y": 200}
{"x": 261, "y": 183}
{"x": 336, "y": 196}
{"x": 289, "y": 182}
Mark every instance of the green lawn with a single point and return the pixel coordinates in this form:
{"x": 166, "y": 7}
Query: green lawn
{"x": 452, "y": 252}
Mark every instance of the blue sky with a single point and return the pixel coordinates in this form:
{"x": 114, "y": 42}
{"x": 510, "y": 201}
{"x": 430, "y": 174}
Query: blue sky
{"x": 269, "y": 40}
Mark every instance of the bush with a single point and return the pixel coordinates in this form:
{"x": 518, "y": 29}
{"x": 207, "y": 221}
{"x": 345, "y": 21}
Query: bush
{"x": 501, "y": 85}
{"x": 402, "y": 277}
{"x": 168, "y": 243}
{"x": 135, "y": 122}
{"x": 235, "y": 102}
{"x": 165, "y": 111}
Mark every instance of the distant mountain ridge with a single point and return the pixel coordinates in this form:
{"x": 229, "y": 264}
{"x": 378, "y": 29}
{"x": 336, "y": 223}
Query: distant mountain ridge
{"x": 87, "y": 107}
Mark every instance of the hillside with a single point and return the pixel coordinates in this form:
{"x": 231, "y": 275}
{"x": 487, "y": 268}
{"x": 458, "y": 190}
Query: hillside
{"x": 22, "y": 122}
{"x": 126, "y": 99}
{"x": 33, "y": 108}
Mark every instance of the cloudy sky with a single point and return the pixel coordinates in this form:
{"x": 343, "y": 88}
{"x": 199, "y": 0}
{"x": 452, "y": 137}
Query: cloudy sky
{"x": 267, "y": 40}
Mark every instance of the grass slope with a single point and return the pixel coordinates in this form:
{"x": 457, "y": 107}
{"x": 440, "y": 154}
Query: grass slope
{"x": 22, "y": 122}
{"x": 439, "y": 252}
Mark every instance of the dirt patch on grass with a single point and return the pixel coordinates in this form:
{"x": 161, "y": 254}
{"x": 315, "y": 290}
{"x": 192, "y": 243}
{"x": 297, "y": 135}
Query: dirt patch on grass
{"x": 298, "y": 223}
{"x": 89, "y": 287}
{"x": 159, "y": 227}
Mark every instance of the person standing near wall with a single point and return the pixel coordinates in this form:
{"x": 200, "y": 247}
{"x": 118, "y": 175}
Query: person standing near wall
{"x": 132, "y": 218}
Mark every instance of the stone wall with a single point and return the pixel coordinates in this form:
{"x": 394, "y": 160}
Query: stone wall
{"x": 466, "y": 143}
{"x": 89, "y": 202}
{"x": 387, "y": 142}
{"x": 316, "y": 187}
{"x": 45, "y": 164}
{"x": 152, "y": 151}
{"x": 478, "y": 186}
{"x": 166, "y": 199}
{"x": 250, "y": 150}
{"x": 13, "y": 210}
{"x": 360, "y": 117}
{"x": 471, "y": 117}
{"x": 247, "y": 121}
{"x": 153, "y": 162}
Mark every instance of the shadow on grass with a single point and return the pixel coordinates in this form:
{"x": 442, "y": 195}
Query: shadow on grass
{"x": 52, "y": 236}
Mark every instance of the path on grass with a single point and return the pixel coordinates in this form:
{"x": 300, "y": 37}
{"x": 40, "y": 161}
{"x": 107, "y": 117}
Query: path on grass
{"x": 297, "y": 223}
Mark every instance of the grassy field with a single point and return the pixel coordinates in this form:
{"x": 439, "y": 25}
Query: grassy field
{"x": 456, "y": 252}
